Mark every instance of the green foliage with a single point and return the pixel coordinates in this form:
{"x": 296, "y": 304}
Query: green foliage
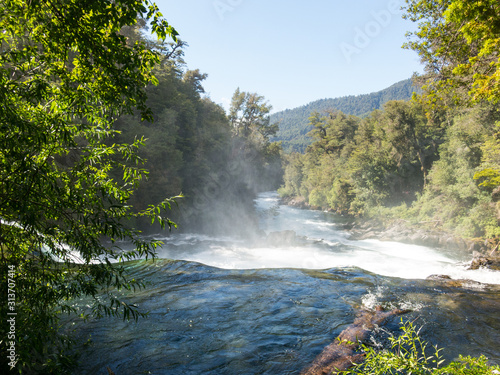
{"x": 249, "y": 116}
{"x": 292, "y": 175}
{"x": 356, "y": 164}
{"x": 442, "y": 165}
{"x": 294, "y": 124}
{"x": 186, "y": 140}
{"x": 192, "y": 147}
{"x": 489, "y": 175}
{"x": 452, "y": 197}
{"x": 66, "y": 73}
{"x": 340, "y": 197}
{"x": 252, "y": 129}
{"x": 410, "y": 354}
{"x": 477, "y": 21}
{"x": 76, "y": 132}
{"x": 438, "y": 154}
{"x": 459, "y": 42}
{"x": 317, "y": 198}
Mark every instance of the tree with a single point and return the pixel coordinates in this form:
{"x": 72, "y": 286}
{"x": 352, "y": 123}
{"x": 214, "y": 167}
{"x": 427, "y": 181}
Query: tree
{"x": 459, "y": 43}
{"x": 408, "y": 132}
{"x": 490, "y": 175}
{"x": 252, "y": 130}
{"x": 249, "y": 116}
{"x": 333, "y": 131}
{"x": 66, "y": 73}
{"x": 292, "y": 175}
{"x": 479, "y": 23}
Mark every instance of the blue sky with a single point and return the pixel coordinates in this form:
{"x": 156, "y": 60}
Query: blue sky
{"x": 293, "y": 51}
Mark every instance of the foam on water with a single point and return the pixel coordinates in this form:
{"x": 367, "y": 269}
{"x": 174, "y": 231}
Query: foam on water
{"x": 326, "y": 246}
{"x": 379, "y": 257}
{"x": 206, "y": 320}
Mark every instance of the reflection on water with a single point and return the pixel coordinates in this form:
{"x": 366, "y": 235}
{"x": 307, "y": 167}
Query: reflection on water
{"x": 248, "y": 308}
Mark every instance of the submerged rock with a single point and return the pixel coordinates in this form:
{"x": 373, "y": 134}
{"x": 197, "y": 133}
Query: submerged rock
{"x": 439, "y": 277}
{"x": 447, "y": 281}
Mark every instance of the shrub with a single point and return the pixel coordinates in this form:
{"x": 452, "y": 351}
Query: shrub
{"x": 410, "y": 354}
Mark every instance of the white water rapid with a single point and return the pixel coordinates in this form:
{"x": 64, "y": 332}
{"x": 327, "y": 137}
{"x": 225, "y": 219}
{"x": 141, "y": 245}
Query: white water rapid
{"x": 324, "y": 244}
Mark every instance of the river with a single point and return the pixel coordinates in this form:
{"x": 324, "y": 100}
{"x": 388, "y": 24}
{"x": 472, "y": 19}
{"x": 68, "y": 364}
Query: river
{"x": 226, "y": 305}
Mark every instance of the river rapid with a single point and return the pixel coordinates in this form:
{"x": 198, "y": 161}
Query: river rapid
{"x": 230, "y": 305}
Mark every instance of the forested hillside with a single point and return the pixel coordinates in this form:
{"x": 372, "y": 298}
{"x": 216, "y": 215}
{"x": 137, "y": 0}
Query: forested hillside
{"x": 433, "y": 161}
{"x": 294, "y": 123}
{"x": 217, "y": 161}
{"x": 105, "y": 134}
{"x": 100, "y": 126}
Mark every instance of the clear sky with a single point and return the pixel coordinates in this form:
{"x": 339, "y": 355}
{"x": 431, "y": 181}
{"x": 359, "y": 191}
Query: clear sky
{"x": 293, "y": 51}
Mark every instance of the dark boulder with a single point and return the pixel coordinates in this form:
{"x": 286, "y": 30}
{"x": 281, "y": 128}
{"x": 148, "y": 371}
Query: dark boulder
{"x": 480, "y": 260}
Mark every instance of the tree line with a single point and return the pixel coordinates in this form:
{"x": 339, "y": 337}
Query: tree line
{"x": 103, "y": 132}
{"x": 294, "y": 126}
{"x": 217, "y": 160}
{"x": 433, "y": 160}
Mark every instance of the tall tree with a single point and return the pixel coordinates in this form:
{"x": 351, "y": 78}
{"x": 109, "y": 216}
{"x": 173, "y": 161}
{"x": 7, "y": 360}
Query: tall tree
{"x": 409, "y": 134}
{"x": 249, "y": 116}
{"x": 459, "y": 43}
{"x": 252, "y": 129}
{"x": 333, "y": 131}
{"x": 66, "y": 73}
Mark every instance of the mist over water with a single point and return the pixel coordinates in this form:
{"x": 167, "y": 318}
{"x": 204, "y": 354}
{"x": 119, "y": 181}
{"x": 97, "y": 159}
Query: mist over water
{"x": 321, "y": 243}
{"x": 265, "y": 305}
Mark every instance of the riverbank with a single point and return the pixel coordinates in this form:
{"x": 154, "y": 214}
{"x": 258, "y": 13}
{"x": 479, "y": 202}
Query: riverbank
{"x": 483, "y": 252}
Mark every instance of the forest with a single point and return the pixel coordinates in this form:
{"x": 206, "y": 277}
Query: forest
{"x": 433, "y": 161}
{"x": 294, "y": 124}
{"x": 106, "y": 136}
{"x": 217, "y": 161}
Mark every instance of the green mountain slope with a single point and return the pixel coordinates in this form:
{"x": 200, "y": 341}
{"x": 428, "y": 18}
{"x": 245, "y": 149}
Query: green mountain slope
{"x": 294, "y": 123}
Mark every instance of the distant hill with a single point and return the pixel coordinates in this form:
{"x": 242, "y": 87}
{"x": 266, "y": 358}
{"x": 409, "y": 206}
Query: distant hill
{"x": 294, "y": 123}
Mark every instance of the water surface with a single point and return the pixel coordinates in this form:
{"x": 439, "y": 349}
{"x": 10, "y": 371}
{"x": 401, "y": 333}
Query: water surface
{"x": 229, "y": 305}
